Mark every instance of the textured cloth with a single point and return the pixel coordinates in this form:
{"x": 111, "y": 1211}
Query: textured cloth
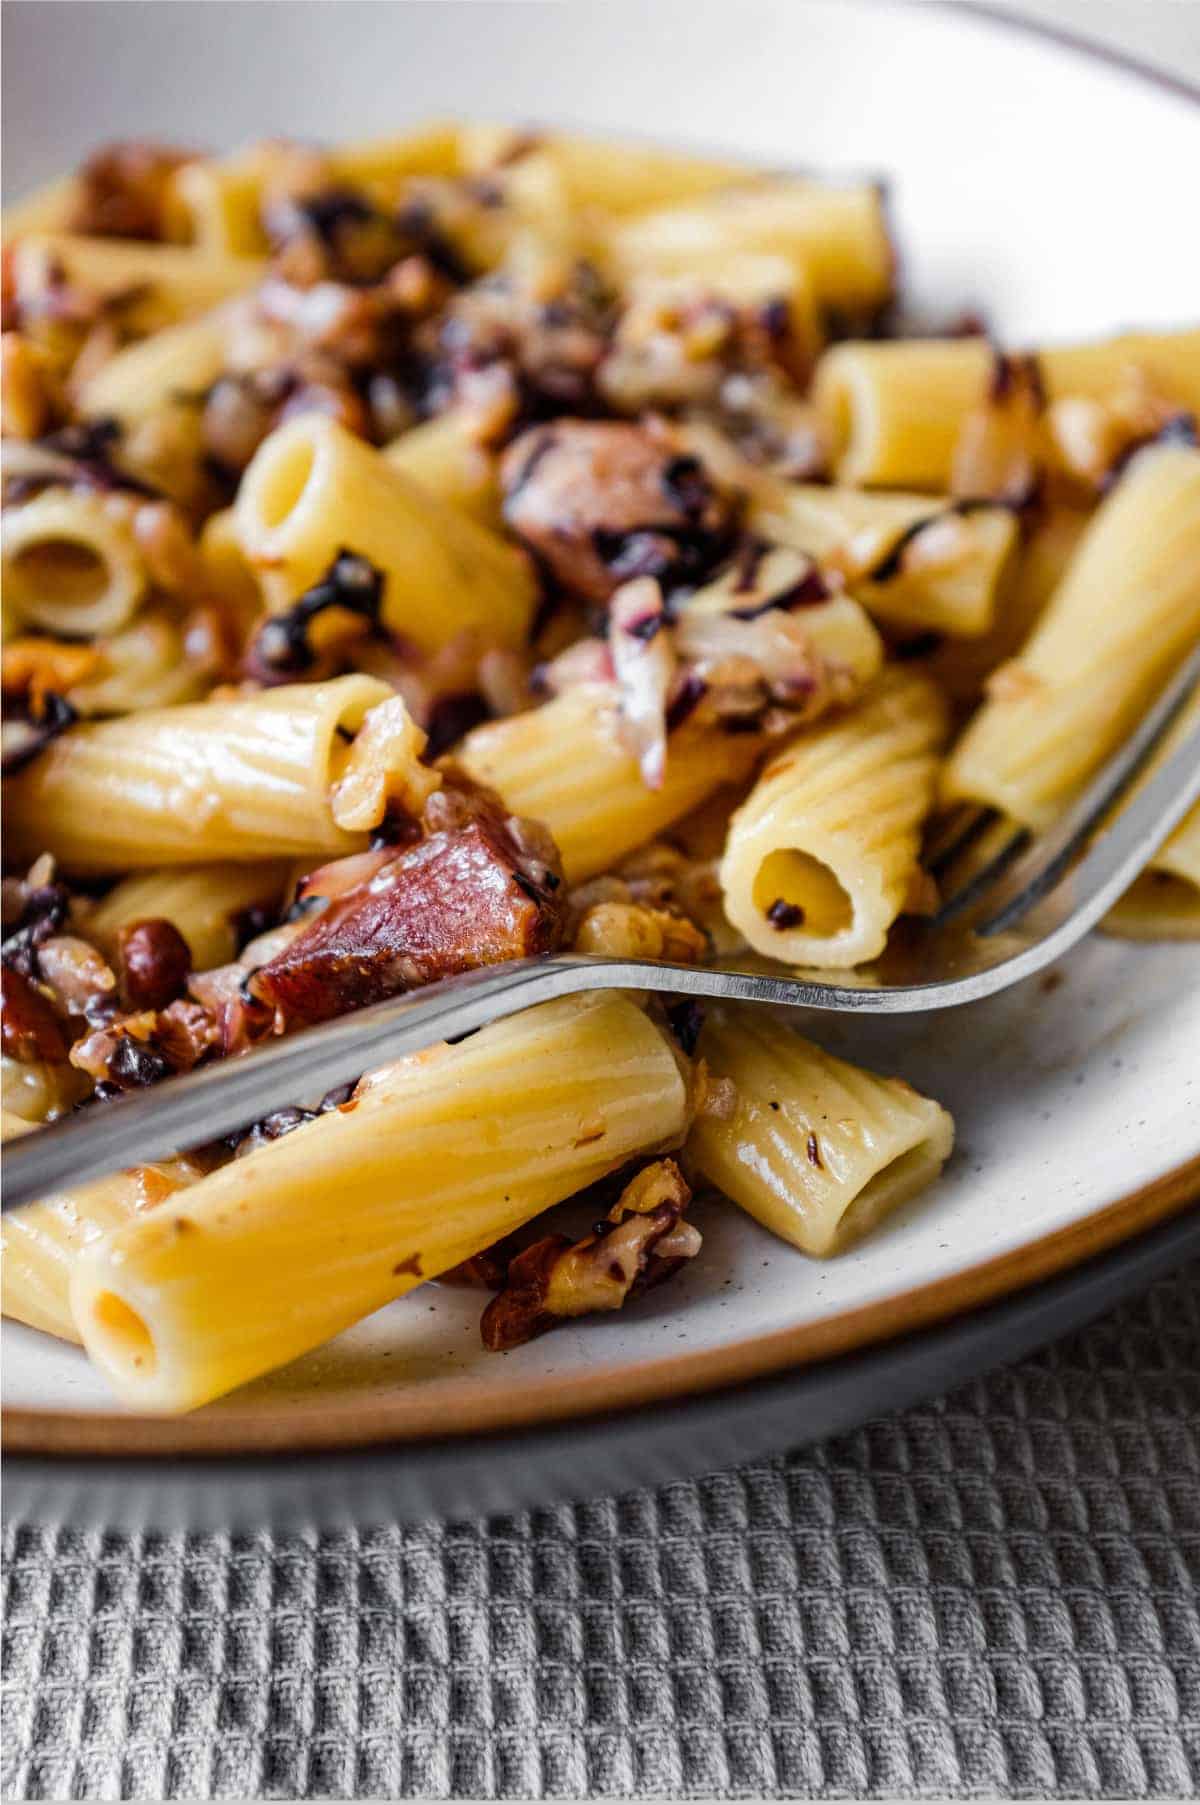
{"x": 994, "y": 1594}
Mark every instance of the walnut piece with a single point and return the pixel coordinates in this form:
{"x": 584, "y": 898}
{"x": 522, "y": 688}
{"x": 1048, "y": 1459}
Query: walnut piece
{"x": 642, "y": 1241}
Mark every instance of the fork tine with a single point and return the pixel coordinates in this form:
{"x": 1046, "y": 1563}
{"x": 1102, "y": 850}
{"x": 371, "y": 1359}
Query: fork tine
{"x": 1026, "y": 882}
{"x": 999, "y": 842}
{"x": 954, "y": 835}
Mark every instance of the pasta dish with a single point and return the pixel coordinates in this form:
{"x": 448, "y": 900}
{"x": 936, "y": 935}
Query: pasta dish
{"x": 444, "y": 550}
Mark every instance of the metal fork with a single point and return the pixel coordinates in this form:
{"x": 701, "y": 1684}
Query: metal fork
{"x": 1025, "y": 908}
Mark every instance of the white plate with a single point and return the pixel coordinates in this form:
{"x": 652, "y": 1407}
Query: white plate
{"x": 1025, "y": 178}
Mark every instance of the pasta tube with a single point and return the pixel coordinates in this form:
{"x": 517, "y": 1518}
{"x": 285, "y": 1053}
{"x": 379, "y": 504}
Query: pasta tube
{"x": 383, "y": 165}
{"x": 1126, "y": 611}
{"x": 436, "y": 1159}
{"x": 822, "y": 855}
{"x": 1164, "y": 902}
{"x": 214, "y": 203}
{"x": 156, "y": 284}
{"x": 42, "y": 1242}
{"x": 894, "y": 411}
{"x": 145, "y": 665}
{"x": 816, "y": 1150}
{"x": 147, "y": 379}
{"x": 70, "y": 565}
{"x": 603, "y": 172}
{"x": 836, "y": 236}
{"x": 909, "y": 560}
{"x": 1040, "y": 563}
{"x": 231, "y": 576}
{"x": 446, "y": 459}
{"x": 566, "y": 764}
{"x": 313, "y": 489}
{"x": 270, "y": 775}
{"x": 205, "y": 902}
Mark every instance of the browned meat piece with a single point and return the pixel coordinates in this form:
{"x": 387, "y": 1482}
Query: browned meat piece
{"x": 642, "y": 1242}
{"x": 31, "y": 1029}
{"x": 474, "y": 892}
{"x": 123, "y": 190}
{"x": 600, "y": 502}
{"x": 155, "y": 961}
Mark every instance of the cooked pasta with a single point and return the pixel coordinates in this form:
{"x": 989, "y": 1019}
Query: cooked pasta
{"x": 446, "y": 458}
{"x": 145, "y": 665}
{"x": 42, "y": 1243}
{"x": 836, "y": 236}
{"x": 823, "y": 854}
{"x": 1164, "y": 902}
{"x": 1125, "y": 612}
{"x": 895, "y": 411}
{"x": 566, "y": 764}
{"x": 313, "y": 488}
{"x": 71, "y": 565}
{"x": 261, "y": 776}
{"x": 152, "y": 377}
{"x": 216, "y": 203}
{"x": 817, "y": 1150}
{"x": 602, "y": 172}
{"x": 434, "y": 1160}
{"x": 912, "y": 562}
{"x": 149, "y": 285}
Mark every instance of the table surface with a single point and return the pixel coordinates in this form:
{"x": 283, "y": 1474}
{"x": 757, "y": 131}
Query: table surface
{"x": 995, "y": 1594}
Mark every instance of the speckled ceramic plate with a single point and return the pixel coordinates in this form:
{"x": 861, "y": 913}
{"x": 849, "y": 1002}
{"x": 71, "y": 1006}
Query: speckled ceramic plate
{"x": 1077, "y": 1100}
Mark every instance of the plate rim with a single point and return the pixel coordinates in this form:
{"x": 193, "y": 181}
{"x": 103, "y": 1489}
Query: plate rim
{"x": 461, "y": 1410}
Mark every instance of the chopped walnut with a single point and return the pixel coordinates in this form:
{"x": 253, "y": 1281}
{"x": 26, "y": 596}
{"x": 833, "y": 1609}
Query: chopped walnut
{"x": 75, "y": 974}
{"x": 148, "y": 1046}
{"x": 642, "y": 1241}
{"x": 681, "y": 342}
{"x": 631, "y": 930}
{"x": 124, "y": 190}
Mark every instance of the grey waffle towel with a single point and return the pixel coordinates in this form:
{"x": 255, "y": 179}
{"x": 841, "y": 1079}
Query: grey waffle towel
{"x": 995, "y": 1594}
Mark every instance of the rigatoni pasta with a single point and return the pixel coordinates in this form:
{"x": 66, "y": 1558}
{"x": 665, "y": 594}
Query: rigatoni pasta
{"x": 1126, "y": 610}
{"x": 912, "y": 562}
{"x": 70, "y": 565}
{"x": 313, "y": 487}
{"x": 837, "y": 236}
{"x": 823, "y": 854}
{"x": 252, "y": 777}
{"x": 566, "y": 764}
{"x": 42, "y": 1243}
{"x": 894, "y": 412}
{"x": 817, "y": 1150}
{"x": 151, "y": 285}
{"x": 435, "y": 1160}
